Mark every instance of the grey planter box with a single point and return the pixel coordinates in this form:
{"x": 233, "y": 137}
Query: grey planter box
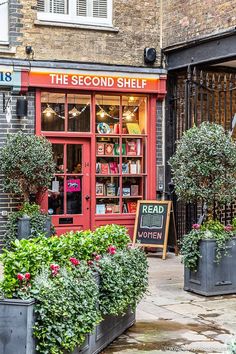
{"x": 211, "y": 278}
{"x": 24, "y": 227}
{"x": 17, "y": 321}
{"x": 108, "y": 330}
{"x": 16, "y": 326}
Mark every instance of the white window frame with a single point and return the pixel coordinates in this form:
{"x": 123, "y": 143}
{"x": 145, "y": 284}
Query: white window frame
{"x": 71, "y": 18}
{"x": 4, "y": 20}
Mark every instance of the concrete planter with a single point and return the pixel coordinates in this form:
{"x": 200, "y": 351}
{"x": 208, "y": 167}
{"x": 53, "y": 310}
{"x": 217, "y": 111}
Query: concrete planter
{"x": 211, "y": 278}
{"x": 16, "y": 329}
{"x": 16, "y": 326}
{"x": 24, "y": 227}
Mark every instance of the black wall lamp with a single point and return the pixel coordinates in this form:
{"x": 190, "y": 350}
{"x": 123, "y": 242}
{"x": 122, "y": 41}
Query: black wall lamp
{"x": 150, "y": 55}
{"x": 21, "y": 107}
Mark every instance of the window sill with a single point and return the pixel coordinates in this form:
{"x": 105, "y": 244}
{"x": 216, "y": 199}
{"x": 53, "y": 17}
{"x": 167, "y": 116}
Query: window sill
{"x": 6, "y": 49}
{"x": 74, "y": 25}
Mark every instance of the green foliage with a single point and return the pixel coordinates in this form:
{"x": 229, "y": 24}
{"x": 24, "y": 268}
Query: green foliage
{"x": 27, "y": 164}
{"x": 37, "y": 222}
{"x": 66, "y": 309}
{"x": 124, "y": 280}
{"x": 204, "y": 165}
{"x": 30, "y": 255}
{"x": 210, "y": 230}
{"x": 232, "y": 347}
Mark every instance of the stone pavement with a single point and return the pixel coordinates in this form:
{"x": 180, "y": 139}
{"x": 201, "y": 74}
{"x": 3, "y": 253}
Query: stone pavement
{"x": 170, "y": 320}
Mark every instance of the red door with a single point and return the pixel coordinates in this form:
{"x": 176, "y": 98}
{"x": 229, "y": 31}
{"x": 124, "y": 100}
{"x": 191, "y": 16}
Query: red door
{"x": 68, "y": 199}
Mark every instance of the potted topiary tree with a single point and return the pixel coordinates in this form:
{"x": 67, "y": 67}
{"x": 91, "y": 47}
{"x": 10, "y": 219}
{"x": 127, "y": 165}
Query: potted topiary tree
{"x": 26, "y": 161}
{"x": 204, "y": 170}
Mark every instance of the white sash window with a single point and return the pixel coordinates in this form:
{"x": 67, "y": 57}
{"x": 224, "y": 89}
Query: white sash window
{"x": 4, "y": 21}
{"x": 87, "y": 12}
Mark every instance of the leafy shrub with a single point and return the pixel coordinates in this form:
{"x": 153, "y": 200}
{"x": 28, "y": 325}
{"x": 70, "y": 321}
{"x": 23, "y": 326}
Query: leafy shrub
{"x": 204, "y": 165}
{"x": 31, "y": 255}
{"x": 66, "y": 309}
{"x": 212, "y": 229}
{"x": 27, "y": 164}
{"x": 37, "y": 222}
{"x": 124, "y": 280}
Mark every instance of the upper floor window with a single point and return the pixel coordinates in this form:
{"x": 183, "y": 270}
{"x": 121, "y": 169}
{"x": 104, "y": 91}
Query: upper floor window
{"x": 87, "y": 12}
{"x": 4, "y": 21}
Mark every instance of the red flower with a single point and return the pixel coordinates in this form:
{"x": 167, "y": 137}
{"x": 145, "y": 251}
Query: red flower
{"x": 55, "y": 269}
{"x": 196, "y": 226}
{"x": 228, "y": 228}
{"x": 20, "y": 276}
{"x": 111, "y": 250}
{"x": 74, "y": 261}
{"x": 98, "y": 257}
{"x": 27, "y": 276}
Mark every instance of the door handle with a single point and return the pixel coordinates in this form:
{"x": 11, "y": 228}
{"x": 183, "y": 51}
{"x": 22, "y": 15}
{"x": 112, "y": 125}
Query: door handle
{"x": 87, "y": 197}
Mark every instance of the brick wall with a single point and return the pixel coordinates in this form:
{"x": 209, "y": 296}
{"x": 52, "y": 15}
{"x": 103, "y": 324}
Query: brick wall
{"x": 184, "y": 20}
{"x": 137, "y": 23}
{"x": 7, "y": 203}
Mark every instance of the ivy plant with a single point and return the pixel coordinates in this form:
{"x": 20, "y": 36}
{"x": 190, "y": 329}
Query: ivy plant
{"x": 26, "y": 161}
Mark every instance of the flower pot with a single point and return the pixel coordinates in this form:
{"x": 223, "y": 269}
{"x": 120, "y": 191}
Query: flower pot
{"x": 16, "y": 326}
{"x": 213, "y": 278}
{"x": 24, "y": 227}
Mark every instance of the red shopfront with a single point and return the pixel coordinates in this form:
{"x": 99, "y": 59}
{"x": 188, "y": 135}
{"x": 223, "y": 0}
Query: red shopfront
{"x": 103, "y": 133}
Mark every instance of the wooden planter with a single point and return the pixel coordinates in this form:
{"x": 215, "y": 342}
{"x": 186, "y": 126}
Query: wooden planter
{"x": 211, "y": 278}
{"x": 16, "y": 329}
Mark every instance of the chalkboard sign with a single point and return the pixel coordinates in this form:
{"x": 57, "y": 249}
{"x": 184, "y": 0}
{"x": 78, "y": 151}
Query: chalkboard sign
{"x": 154, "y": 223}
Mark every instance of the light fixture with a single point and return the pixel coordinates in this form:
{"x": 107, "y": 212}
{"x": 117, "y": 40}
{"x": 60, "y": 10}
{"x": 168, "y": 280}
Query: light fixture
{"x": 128, "y": 115}
{"x": 74, "y": 112}
{"x": 48, "y": 111}
{"x": 102, "y": 113}
{"x": 131, "y": 99}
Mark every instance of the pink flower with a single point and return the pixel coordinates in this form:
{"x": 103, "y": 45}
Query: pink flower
{"x": 27, "y": 276}
{"x": 55, "y": 269}
{"x": 90, "y": 263}
{"x": 196, "y": 226}
{"x": 130, "y": 246}
{"x": 20, "y": 276}
{"x": 74, "y": 261}
{"x": 228, "y": 228}
{"x": 98, "y": 257}
{"x": 111, "y": 250}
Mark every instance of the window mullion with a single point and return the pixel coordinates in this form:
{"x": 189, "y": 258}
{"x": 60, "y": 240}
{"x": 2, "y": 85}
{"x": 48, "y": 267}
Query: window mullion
{"x": 90, "y": 8}
{"x": 47, "y": 5}
{"x": 72, "y": 8}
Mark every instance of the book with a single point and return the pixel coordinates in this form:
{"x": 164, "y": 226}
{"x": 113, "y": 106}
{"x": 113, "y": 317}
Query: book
{"x": 131, "y": 147}
{"x": 100, "y": 209}
{"x": 100, "y": 148}
{"x": 116, "y": 208}
{"x": 104, "y": 168}
{"x": 132, "y": 207}
{"x": 108, "y": 150}
{"x": 138, "y": 142}
{"x": 134, "y": 189}
{"x": 151, "y": 221}
{"x": 113, "y": 167}
{"x": 117, "y": 149}
{"x": 138, "y": 166}
{"x": 111, "y": 190}
{"x": 99, "y": 188}
{"x": 133, "y": 168}
{"x": 125, "y": 209}
{"x": 133, "y": 128}
{"x": 125, "y": 167}
{"x": 98, "y": 167}
{"x": 126, "y": 191}
{"x": 109, "y": 209}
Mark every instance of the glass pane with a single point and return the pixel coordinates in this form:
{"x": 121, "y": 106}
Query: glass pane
{"x": 53, "y": 111}
{"x": 56, "y": 197}
{"x": 79, "y": 113}
{"x": 107, "y": 114}
{"x": 134, "y": 115}
{"x": 74, "y": 158}
{"x": 73, "y": 194}
{"x": 58, "y": 155}
{"x": 107, "y": 195}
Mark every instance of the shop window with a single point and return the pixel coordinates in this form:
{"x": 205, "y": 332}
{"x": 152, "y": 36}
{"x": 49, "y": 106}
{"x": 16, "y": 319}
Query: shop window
{"x": 120, "y": 153}
{"x": 65, "y": 112}
{"x": 4, "y": 22}
{"x": 87, "y": 12}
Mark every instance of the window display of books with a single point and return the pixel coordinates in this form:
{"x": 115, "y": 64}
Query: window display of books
{"x": 131, "y": 166}
{"x": 106, "y": 168}
{"x": 107, "y": 208}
